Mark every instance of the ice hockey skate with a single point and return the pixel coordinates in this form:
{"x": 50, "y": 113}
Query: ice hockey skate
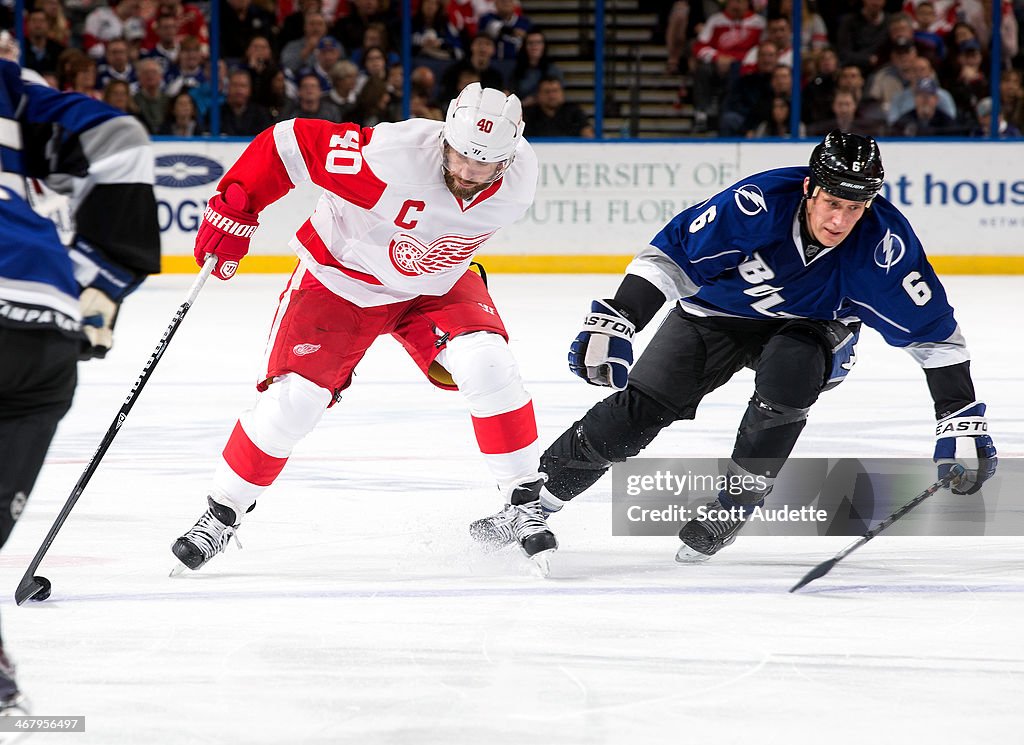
{"x": 207, "y": 538}
{"x": 716, "y": 526}
{"x": 523, "y": 521}
{"x": 12, "y": 702}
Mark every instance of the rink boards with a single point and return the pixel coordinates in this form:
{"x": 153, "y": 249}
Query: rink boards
{"x": 598, "y": 203}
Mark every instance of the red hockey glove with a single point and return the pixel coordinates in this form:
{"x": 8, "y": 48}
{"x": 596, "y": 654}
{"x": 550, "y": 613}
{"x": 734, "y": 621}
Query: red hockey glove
{"x": 226, "y": 231}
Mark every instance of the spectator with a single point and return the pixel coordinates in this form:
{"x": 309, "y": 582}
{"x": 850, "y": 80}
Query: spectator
{"x": 119, "y": 20}
{"x": 480, "y": 63}
{"x": 723, "y": 42}
{"x": 777, "y": 123}
{"x": 532, "y": 65}
{"x": 1011, "y": 97}
{"x": 300, "y": 53}
{"x": 904, "y": 101}
{"x": 507, "y": 27}
{"x": 311, "y": 103}
{"x": 57, "y": 26}
{"x": 970, "y": 84}
{"x": 260, "y": 64}
{"x": 328, "y": 53}
{"x": 553, "y": 116}
{"x": 190, "y": 73}
{"x": 927, "y": 34}
{"x": 281, "y": 93}
{"x": 899, "y": 33}
{"x": 41, "y": 52}
{"x": 349, "y": 30}
{"x": 984, "y": 128}
{"x": 925, "y": 120}
{"x": 240, "y": 116}
{"x": 813, "y": 31}
{"x": 870, "y": 118}
{"x": 750, "y": 96}
{"x": 117, "y": 65}
{"x": 150, "y": 97}
{"x": 376, "y": 35}
{"x": 895, "y": 77}
{"x": 422, "y": 104}
{"x": 79, "y": 73}
{"x": 372, "y": 104}
{"x": 294, "y": 24}
{"x": 861, "y": 35}
{"x": 118, "y": 93}
{"x": 190, "y": 21}
{"x": 463, "y": 17}
{"x": 240, "y": 21}
{"x": 182, "y": 118}
{"x": 780, "y": 33}
{"x": 432, "y": 34}
{"x": 844, "y": 115}
{"x": 374, "y": 66}
{"x": 683, "y": 20}
{"x": 343, "y": 78}
{"x": 817, "y": 95}
{"x": 165, "y": 48}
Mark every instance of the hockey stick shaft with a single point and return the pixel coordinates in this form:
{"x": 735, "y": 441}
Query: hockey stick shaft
{"x": 28, "y": 586}
{"x": 955, "y": 472}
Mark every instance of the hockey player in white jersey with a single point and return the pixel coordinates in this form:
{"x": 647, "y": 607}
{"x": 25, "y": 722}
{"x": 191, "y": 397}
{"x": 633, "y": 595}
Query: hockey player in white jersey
{"x": 387, "y": 250}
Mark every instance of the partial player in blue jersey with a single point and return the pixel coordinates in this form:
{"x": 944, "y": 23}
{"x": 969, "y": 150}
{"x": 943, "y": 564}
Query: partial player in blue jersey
{"x": 58, "y": 302}
{"x": 776, "y": 273}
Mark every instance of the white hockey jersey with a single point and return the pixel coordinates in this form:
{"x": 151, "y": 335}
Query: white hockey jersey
{"x": 385, "y": 229}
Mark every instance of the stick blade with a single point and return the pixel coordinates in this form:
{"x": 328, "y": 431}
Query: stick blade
{"x": 27, "y": 589}
{"x": 819, "y": 571}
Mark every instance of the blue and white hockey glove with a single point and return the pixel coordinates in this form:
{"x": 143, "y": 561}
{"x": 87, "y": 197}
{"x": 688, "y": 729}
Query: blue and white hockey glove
{"x": 968, "y": 422}
{"x": 844, "y": 351}
{"x": 602, "y": 353}
{"x": 104, "y": 285}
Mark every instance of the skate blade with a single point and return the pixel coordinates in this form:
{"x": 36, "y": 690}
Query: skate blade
{"x": 177, "y": 570}
{"x": 687, "y": 555}
{"x": 542, "y": 562}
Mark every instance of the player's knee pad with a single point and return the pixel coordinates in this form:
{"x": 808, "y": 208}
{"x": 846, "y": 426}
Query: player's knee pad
{"x": 285, "y": 413}
{"x": 791, "y": 369}
{"x": 613, "y": 430}
{"x": 486, "y": 372}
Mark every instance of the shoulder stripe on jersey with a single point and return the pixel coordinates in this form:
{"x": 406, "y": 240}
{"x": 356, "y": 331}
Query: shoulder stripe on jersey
{"x": 288, "y": 150}
{"x": 715, "y": 256}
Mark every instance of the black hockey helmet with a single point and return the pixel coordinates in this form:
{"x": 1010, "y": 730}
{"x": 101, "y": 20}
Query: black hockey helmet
{"x": 847, "y": 166}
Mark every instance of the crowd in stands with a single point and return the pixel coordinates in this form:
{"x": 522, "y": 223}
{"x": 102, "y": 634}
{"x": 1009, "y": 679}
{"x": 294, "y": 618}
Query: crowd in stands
{"x": 281, "y": 59}
{"x": 884, "y": 67}
{"x": 901, "y": 68}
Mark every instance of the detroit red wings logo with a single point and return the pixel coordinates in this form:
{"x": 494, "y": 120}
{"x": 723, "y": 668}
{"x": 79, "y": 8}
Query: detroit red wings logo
{"x": 411, "y": 257}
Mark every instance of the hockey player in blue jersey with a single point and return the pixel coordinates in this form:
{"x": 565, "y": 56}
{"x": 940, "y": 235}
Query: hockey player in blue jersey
{"x": 57, "y": 303}
{"x": 776, "y": 273}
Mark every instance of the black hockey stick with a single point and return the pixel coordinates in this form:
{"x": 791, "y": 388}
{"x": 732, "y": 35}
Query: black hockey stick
{"x": 38, "y": 588}
{"x": 955, "y": 472}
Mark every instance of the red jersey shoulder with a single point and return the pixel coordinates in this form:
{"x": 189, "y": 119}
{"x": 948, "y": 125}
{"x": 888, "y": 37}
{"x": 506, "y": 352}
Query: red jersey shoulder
{"x": 333, "y": 154}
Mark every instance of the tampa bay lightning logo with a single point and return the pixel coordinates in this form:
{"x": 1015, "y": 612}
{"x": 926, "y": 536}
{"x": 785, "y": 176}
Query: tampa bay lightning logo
{"x": 184, "y": 171}
{"x": 889, "y": 251}
{"x": 750, "y": 199}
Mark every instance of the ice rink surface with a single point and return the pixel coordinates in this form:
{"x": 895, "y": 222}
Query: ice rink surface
{"x": 359, "y": 612}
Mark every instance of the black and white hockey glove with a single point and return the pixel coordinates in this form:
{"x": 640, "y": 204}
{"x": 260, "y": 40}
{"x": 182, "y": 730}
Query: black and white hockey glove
{"x": 602, "y": 353}
{"x": 968, "y": 422}
{"x": 104, "y": 285}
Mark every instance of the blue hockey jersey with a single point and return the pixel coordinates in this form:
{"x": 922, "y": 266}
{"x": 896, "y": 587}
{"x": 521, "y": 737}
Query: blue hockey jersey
{"x": 741, "y": 254}
{"x": 88, "y": 148}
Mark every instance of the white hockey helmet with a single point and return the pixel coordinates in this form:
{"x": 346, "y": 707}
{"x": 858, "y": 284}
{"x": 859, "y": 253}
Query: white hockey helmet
{"x": 484, "y": 124}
